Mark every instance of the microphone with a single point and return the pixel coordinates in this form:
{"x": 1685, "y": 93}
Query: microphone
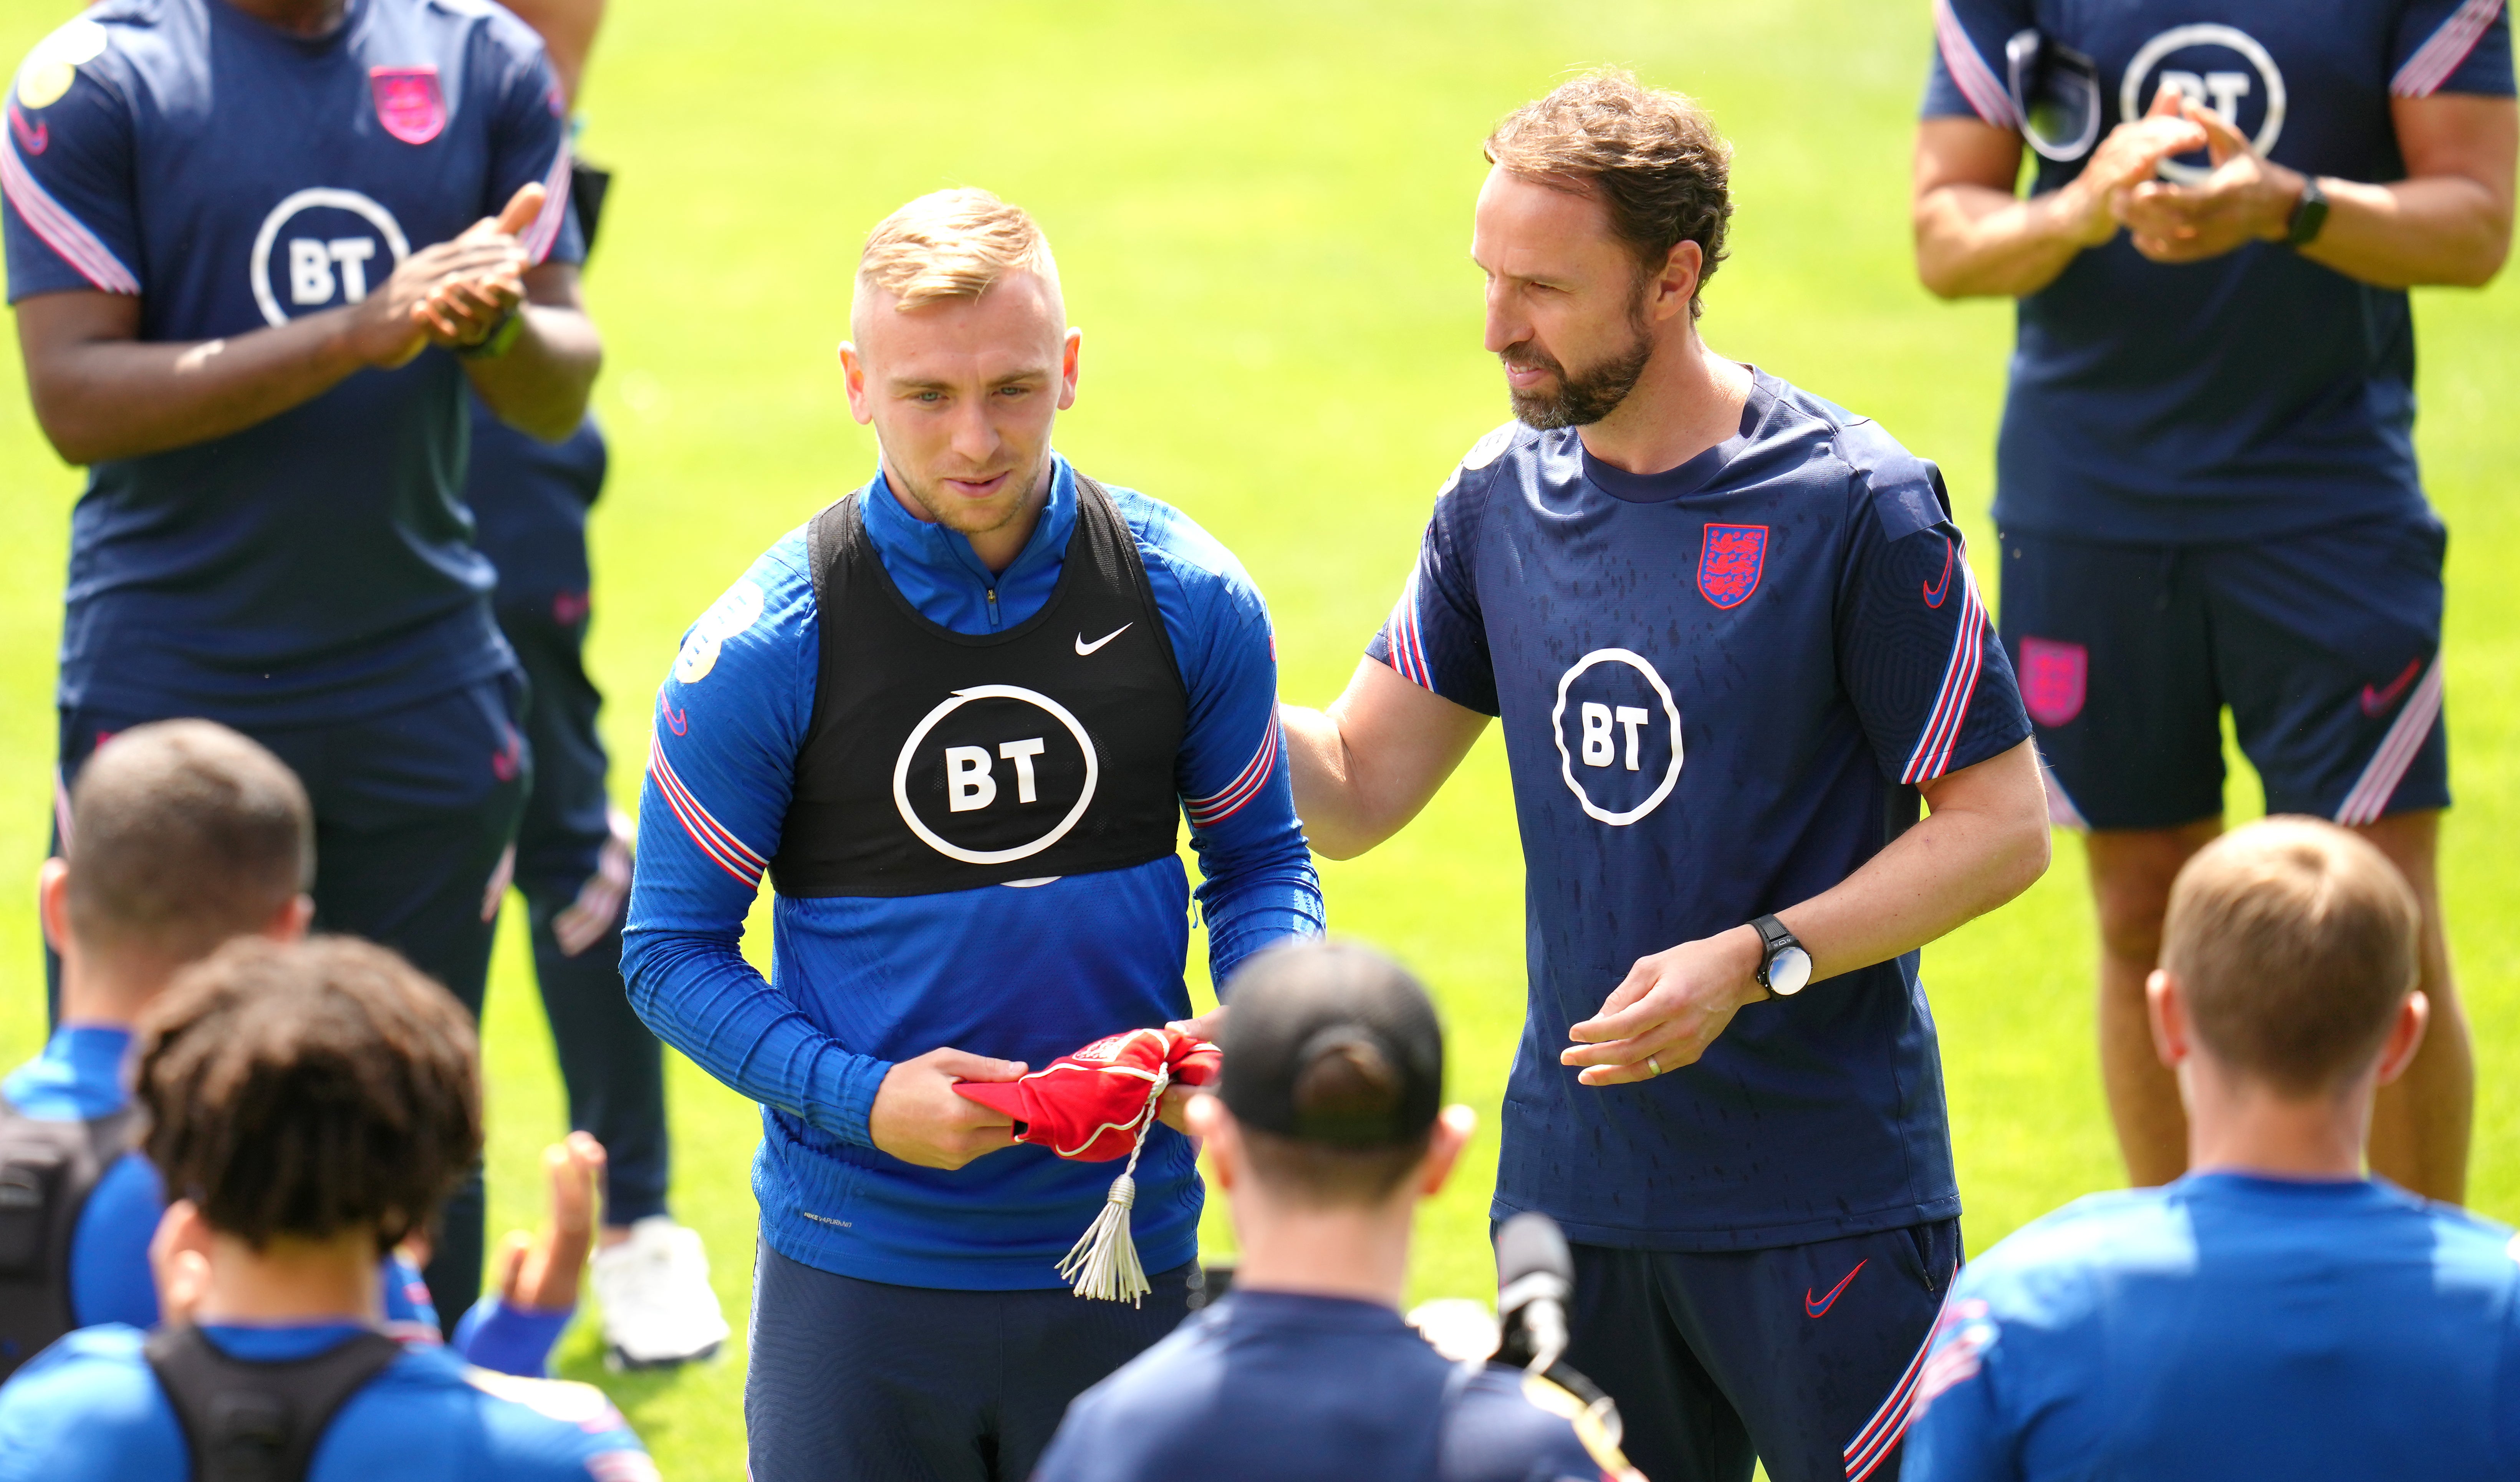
{"x": 1535, "y": 1277}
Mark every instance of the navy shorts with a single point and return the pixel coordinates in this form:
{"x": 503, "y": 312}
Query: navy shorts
{"x": 2326, "y": 646}
{"x": 862, "y": 1382}
{"x": 1801, "y": 1357}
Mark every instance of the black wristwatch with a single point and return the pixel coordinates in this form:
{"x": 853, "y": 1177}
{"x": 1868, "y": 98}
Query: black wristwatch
{"x": 2309, "y": 214}
{"x": 1784, "y": 966}
{"x": 500, "y": 340}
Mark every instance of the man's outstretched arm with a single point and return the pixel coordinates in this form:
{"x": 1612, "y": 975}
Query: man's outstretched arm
{"x": 1368, "y": 764}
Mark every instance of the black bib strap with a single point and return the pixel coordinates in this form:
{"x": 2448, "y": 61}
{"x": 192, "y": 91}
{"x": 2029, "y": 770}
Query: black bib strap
{"x": 250, "y": 1422}
{"x": 47, "y": 1171}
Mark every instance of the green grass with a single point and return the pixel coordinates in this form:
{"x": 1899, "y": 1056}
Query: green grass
{"x": 1262, "y": 215}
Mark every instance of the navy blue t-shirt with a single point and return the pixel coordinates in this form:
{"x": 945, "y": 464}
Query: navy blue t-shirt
{"x": 1268, "y": 1385}
{"x": 318, "y": 564}
{"x": 1719, "y": 687}
{"x": 2256, "y": 393}
{"x": 2229, "y": 1326}
{"x": 530, "y": 499}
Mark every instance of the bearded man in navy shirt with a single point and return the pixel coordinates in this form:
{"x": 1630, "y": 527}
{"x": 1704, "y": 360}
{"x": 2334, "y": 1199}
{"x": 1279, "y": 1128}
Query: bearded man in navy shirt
{"x": 1732, "y": 636}
{"x": 2205, "y": 485}
{"x": 259, "y": 248}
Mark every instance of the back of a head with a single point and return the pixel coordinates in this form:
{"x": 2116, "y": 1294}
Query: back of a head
{"x": 183, "y": 835}
{"x": 2293, "y": 942}
{"x": 950, "y": 244}
{"x": 1333, "y": 1070}
{"x": 1652, "y": 155}
{"x": 302, "y": 1089}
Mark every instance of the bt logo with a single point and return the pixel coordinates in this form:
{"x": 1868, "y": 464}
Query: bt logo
{"x": 329, "y": 256}
{"x": 954, "y": 756}
{"x": 969, "y": 786}
{"x": 1625, "y": 753}
{"x": 2220, "y": 66}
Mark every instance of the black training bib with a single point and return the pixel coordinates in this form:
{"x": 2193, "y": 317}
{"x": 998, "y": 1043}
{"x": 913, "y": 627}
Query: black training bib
{"x": 940, "y": 761}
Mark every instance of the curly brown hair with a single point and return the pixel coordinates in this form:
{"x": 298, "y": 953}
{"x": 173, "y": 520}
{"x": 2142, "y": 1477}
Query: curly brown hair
{"x": 1650, "y": 155}
{"x": 303, "y": 1090}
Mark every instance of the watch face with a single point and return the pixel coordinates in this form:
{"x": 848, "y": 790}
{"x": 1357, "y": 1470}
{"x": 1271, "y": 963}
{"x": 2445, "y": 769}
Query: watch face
{"x": 1788, "y": 971}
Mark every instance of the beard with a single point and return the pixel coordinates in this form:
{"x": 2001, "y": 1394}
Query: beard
{"x": 1584, "y": 398}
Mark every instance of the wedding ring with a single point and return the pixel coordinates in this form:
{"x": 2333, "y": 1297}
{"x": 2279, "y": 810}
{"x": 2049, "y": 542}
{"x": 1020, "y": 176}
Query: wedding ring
{"x": 1653, "y": 1064}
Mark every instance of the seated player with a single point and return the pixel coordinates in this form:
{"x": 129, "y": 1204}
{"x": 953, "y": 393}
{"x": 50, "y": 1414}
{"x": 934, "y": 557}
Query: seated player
{"x": 2276, "y": 1313}
{"x": 1324, "y": 1138}
{"x": 310, "y": 1103}
{"x": 181, "y": 835}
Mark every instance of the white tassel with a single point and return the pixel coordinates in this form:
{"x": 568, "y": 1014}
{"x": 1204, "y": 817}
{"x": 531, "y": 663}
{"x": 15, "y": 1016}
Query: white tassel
{"x": 1104, "y": 1261}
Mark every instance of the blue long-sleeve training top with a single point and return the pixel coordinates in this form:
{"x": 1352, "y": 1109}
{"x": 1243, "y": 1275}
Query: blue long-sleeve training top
{"x": 1024, "y": 972}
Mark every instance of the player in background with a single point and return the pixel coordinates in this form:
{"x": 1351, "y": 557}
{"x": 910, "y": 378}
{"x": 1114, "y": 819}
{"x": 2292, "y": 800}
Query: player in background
{"x": 2206, "y": 490}
{"x": 957, "y": 718}
{"x": 311, "y": 1103}
{"x": 1732, "y": 636}
{"x": 2274, "y": 1312}
{"x": 1328, "y": 1132}
{"x": 529, "y": 501}
{"x": 252, "y": 303}
{"x": 184, "y": 836}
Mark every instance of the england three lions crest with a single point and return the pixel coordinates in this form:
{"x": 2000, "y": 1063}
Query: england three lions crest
{"x": 1730, "y": 562}
{"x": 409, "y": 102}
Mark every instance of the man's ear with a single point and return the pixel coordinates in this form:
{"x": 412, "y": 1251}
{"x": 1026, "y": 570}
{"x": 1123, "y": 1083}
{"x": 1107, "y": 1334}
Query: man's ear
{"x": 853, "y": 377}
{"x": 1068, "y": 358}
{"x": 2168, "y": 1011}
{"x": 1677, "y": 284}
{"x": 290, "y": 922}
{"x": 2406, "y": 1036}
{"x": 1454, "y": 1127}
{"x": 1219, "y": 1137}
{"x": 53, "y": 903}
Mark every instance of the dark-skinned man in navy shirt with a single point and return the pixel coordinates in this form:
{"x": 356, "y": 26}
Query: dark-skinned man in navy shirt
{"x": 2206, "y": 487}
{"x": 1733, "y": 637}
{"x": 258, "y": 250}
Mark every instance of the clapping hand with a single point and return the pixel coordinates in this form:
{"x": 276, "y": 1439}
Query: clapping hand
{"x": 541, "y": 1272}
{"x": 2244, "y": 198}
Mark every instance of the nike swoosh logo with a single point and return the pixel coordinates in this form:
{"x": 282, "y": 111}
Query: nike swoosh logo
{"x": 1935, "y": 594}
{"x": 1819, "y": 1309}
{"x": 2375, "y": 702}
{"x": 1083, "y": 647}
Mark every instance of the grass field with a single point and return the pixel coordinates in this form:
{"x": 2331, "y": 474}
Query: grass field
{"x": 1262, "y": 215}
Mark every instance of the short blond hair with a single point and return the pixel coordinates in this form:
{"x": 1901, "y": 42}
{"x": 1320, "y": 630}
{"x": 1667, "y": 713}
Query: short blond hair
{"x": 956, "y": 244}
{"x": 2293, "y": 942}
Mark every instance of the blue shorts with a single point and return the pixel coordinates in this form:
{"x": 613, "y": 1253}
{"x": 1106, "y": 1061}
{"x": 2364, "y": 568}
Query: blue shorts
{"x": 2326, "y": 644}
{"x": 862, "y": 1381}
{"x": 1801, "y": 1357}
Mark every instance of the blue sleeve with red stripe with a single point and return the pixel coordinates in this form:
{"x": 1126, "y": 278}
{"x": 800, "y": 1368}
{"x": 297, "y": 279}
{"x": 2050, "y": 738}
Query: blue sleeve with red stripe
{"x": 66, "y": 168}
{"x": 530, "y": 143}
{"x": 2451, "y": 46}
{"x": 1258, "y": 885}
{"x": 730, "y": 720}
{"x": 1958, "y": 1427}
{"x": 1968, "y": 78}
{"x": 1435, "y": 637}
{"x": 1917, "y": 649}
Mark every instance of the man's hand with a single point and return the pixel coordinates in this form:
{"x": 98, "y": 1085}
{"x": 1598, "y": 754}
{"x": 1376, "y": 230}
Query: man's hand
{"x": 2246, "y": 199}
{"x": 1174, "y": 1112}
{"x": 2127, "y": 160}
{"x": 451, "y": 295}
{"x": 918, "y": 1118}
{"x": 1670, "y": 1008}
{"x": 540, "y": 1273}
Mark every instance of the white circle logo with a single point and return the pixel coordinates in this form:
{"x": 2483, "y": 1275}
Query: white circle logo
{"x": 2222, "y": 91}
{"x": 324, "y": 270}
{"x": 978, "y": 785}
{"x": 1612, "y": 740}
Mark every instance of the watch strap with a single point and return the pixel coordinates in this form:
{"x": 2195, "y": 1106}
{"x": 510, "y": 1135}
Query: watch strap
{"x": 1774, "y": 936}
{"x": 500, "y": 340}
{"x": 2309, "y": 214}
